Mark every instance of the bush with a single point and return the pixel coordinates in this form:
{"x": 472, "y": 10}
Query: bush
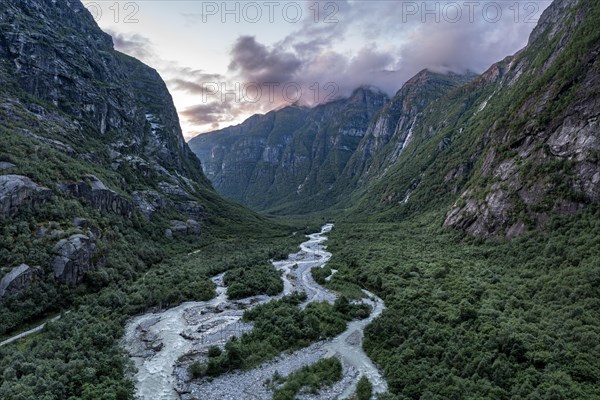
{"x": 364, "y": 389}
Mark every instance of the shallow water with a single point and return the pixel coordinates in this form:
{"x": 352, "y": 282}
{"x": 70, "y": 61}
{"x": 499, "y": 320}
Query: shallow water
{"x": 186, "y": 331}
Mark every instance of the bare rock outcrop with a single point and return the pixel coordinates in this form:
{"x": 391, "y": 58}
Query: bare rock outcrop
{"x": 95, "y": 192}
{"x": 17, "y": 192}
{"x": 18, "y": 279}
{"x": 74, "y": 257}
{"x": 180, "y": 228}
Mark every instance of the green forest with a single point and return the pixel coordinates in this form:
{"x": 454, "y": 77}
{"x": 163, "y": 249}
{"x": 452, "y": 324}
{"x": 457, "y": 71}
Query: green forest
{"x": 258, "y": 279}
{"x": 491, "y": 319}
{"x": 79, "y": 356}
{"x": 310, "y": 379}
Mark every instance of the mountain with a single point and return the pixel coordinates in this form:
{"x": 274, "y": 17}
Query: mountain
{"x": 97, "y": 179}
{"x": 515, "y": 146}
{"x": 391, "y": 130}
{"x": 502, "y": 152}
{"x": 298, "y": 160}
{"x": 279, "y": 161}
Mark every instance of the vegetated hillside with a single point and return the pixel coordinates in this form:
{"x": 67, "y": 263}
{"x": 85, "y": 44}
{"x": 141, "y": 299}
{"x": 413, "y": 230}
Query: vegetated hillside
{"x": 467, "y": 318}
{"x": 101, "y": 201}
{"x": 280, "y": 162}
{"x": 473, "y": 318}
{"x": 391, "y": 130}
{"x": 96, "y": 180}
{"x": 513, "y": 147}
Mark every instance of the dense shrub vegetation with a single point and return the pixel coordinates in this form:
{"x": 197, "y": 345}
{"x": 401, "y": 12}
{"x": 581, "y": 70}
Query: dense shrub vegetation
{"x": 78, "y": 356}
{"x": 364, "y": 389}
{"x": 246, "y": 282}
{"x": 493, "y": 320}
{"x": 310, "y": 379}
{"x": 279, "y": 326}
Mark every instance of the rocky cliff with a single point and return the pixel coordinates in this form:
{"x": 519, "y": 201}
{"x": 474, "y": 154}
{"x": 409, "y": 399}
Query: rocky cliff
{"x": 92, "y": 156}
{"x": 391, "y": 130}
{"x": 542, "y": 136}
{"x": 298, "y": 160}
{"x": 513, "y": 147}
{"x": 288, "y": 160}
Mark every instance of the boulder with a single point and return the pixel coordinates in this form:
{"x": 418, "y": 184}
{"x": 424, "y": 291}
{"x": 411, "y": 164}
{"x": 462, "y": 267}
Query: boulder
{"x": 18, "y": 192}
{"x": 173, "y": 190}
{"x": 149, "y": 202}
{"x": 85, "y": 225}
{"x": 18, "y": 279}
{"x": 95, "y": 192}
{"x": 81, "y": 223}
{"x": 180, "y": 228}
{"x": 194, "y": 227}
{"x": 6, "y": 165}
{"x": 74, "y": 257}
{"x": 191, "y": 209}
{"x": 41, "y": 232}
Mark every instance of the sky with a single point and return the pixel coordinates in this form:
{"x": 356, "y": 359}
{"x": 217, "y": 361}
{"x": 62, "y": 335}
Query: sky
{"x": 224, "y": 61}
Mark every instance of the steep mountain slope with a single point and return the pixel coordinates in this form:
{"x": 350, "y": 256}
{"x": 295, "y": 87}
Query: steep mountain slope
{"x": 280, "y": 161}
{"x": 513, "y": 154}
{"x": 96, "y": 178}
{"x": 518, "y": 144}
{"x": 390, "y": 131}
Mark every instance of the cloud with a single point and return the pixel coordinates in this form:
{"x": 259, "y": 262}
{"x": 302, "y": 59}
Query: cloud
{"x": 133, "y": 44}
{"x": 208, "y": 114}
{"x": 254, "y": 62}
{"x": 373, "y": 43}
{"x": 193, "y": 81}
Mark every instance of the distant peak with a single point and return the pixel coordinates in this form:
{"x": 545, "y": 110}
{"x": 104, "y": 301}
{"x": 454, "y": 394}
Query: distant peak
{"x": 366, "y": 91}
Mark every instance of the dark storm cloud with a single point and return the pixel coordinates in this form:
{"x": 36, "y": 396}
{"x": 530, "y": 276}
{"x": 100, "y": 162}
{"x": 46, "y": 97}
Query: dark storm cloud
{"x": 193, "y": 81}
{"x": 255, "y": 62}
{"x": 442, "y": 41}
{"x": 208, "y": 114}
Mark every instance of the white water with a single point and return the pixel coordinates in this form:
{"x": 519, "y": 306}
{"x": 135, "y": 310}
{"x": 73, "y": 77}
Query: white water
{"x": 192, "y": 327}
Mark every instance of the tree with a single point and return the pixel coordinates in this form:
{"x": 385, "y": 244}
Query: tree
{"x": 364, "y": 389}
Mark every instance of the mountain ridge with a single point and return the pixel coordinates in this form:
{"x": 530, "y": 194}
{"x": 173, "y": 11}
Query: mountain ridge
{"x": 286, "y": 154}
{"x": 315, "y": 196}
{"x": 437, "y": 142}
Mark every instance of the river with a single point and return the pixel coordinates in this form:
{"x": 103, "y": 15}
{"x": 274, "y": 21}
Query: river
{"x": 162, "y": 345}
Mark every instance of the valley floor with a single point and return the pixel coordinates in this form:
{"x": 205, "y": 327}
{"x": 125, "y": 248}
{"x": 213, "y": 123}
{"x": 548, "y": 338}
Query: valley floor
{"x": 165, "y": 344}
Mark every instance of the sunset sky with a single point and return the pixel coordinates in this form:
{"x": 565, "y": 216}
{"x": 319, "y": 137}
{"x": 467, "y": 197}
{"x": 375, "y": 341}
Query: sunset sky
{"x": 266, "y": 54}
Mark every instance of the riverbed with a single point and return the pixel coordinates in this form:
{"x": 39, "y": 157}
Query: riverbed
{"x": 162, "y": 345}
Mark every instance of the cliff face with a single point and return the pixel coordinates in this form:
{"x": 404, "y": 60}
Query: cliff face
{"x": 391, "y": 130}
{"x": 512, "y": 148}
{"x": 300, "y": 160}
{"x": 64, "y": 86}
{"x": 284, "y": 160}
{"x": 541, "y": 152}
{"x": 92, "y": 154}
{"x": 54, "y": 51}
